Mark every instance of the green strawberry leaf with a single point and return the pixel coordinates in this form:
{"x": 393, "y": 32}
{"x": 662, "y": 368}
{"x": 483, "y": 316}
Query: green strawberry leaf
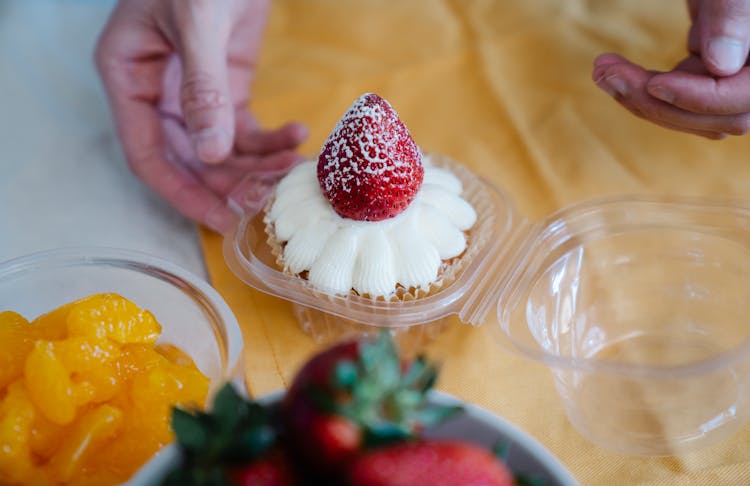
{"x": 428, "y": 378}
{"x": 345, "y": 375}
{"x": 415, "y": 372}
{"x": 196, "y": 476}
{"x": 405, "y": 399}
{"x": 374, "y": 353}
{"x": 250, "y": 444}
{"x": 236, "y": 431}
{"x": 384, "y": 433}
{"x": 435, "y": 414}
{"x": 229, "y": 407}
{"x": 192, "y": 430}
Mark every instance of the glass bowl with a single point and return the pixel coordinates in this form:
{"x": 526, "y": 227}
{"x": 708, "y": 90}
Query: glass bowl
{"x": 193, "y": 315}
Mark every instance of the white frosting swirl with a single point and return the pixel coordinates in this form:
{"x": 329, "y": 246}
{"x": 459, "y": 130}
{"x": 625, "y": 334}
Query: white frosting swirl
{"x": 371, "y": 257}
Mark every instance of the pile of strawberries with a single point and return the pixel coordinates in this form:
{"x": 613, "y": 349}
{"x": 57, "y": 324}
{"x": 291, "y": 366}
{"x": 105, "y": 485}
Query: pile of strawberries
{"x": 354, "y": 415}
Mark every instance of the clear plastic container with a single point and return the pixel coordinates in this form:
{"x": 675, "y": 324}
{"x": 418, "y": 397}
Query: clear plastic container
{"x": 193, "y": 315}
{"x": 328, "y": 317}
{"x": 640, "y": 309}
{"x": 638, "y": 306}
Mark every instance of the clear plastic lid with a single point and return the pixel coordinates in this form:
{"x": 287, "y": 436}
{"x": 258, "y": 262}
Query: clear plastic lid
{"x": 611, "y": 271}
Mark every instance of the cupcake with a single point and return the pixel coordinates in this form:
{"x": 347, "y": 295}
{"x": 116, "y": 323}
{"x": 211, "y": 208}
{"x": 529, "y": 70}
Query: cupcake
{"x": 372, "y": 216}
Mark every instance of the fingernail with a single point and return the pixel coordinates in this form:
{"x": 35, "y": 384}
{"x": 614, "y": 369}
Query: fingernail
{"x": 211, "y": 144}
{"x": 661, "y": 93}
{"x": 726, "y": 54}
{"x": 599, "y": 73}
{"x": 614, "y": 86}
{"x": 300, "y": 132}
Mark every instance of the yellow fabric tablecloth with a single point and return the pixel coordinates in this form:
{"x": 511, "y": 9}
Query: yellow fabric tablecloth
{"x": 504, "y": 87}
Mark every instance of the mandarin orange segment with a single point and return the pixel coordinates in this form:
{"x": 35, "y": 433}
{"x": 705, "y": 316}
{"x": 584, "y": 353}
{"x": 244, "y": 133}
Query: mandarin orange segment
{"x": 90, "y": 398}
{"x": 49, "y": 384}
{"x": 163, "y": 386}
{"x": 16, "y": 418}
{"x": 114, "y": 317}
{"x": 138, "y": 358}
{"x": 17, "y": 339}
{"x": 54, "y": 324}
{"x": 98, "y": 385}
{"x": 192, "y": 386}
{"x": 90, "y": 431}
{"x": 134, "y": 445}
{"x": 83, "y": 353}
{"x": 98, "y": 478}
{"x": 46, "y": 436}
{"x": 152, "y": 395}
{"x": 42, "y": 477}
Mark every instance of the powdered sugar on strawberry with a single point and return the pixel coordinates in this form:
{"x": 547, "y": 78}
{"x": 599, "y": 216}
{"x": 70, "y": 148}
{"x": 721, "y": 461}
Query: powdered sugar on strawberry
{"x": 370, "y": 169}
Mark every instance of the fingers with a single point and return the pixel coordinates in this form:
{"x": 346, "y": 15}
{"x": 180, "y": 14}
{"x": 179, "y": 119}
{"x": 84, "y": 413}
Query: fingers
{"x": 278, "y": 163}
{"x": 221, "y": 179}
{"x": 251, "y": 193}
{"x": 251, "y": 139}
{"x": 691, "y": 64}
{"x": 205, "y": 98}
{"x": 704, "y": 94}
{"x": 143, "y": 143}
{"x": 617, "y": 76}
{"x": 627, "y": 83}
{"x": 722, "y": 33}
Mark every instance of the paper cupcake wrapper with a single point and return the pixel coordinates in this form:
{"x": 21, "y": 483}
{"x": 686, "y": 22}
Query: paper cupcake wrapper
{"x": 476, "y": 238}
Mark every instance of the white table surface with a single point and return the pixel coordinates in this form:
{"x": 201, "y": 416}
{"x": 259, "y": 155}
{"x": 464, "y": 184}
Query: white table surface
{"x": 63, "y": 178}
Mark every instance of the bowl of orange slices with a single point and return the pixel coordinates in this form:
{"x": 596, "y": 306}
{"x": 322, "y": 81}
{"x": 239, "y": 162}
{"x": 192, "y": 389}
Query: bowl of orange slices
{"x": 96, "y": 348}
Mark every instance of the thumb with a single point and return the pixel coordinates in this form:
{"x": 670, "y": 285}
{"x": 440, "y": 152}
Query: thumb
{"x": 724, "y": 31}
{"x": 205, "y": 97}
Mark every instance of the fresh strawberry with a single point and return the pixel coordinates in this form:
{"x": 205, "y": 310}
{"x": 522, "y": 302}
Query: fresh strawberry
{"x": 429, "y": 463}
{"x": 355, "y": 395}
{"x": 370, "y": 169}
{"x": 272, "y": 469}
{"x": 235, "y": 444}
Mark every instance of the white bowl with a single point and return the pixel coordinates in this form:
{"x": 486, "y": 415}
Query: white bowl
{"x": 525, "y": 454}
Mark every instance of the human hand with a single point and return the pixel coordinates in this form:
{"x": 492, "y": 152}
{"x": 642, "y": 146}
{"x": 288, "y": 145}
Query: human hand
{"x": 177, "y": 73}
{"x": 708, "y": 92}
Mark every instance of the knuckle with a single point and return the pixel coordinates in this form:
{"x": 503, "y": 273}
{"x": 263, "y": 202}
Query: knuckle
{"x": 739, "y": 125}
{"x": 734, "y": 9}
